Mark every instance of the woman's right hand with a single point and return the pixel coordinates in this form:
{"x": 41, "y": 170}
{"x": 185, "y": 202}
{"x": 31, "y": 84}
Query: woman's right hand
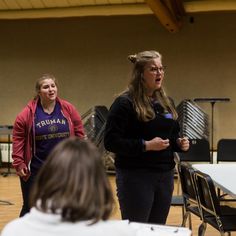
{"x": 23, "y": 172}
{"x": 157, "y": 144}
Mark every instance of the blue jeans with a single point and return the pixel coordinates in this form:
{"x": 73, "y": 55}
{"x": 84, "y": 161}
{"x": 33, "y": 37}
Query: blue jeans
{"x": 144, "y": 195}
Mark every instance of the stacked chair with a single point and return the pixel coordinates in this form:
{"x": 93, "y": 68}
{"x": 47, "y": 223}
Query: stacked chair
{"x": 94, "y": 121}
{"x": 194, "y": 125}
{"x": 194, "y": 122}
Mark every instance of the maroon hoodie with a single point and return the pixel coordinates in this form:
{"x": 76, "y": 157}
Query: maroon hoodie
{"x": 23, "y": 132}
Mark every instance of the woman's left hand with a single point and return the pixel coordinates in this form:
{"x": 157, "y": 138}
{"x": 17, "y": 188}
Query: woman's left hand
{"x": 183, "y": 143}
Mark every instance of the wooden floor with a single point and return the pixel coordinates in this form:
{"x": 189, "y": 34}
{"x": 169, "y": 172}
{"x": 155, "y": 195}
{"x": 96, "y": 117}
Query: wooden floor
{"x": 10, "y": 191}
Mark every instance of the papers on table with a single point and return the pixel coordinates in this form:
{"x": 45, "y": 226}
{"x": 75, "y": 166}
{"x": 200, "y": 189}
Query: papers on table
{"x": 159, "y": 230}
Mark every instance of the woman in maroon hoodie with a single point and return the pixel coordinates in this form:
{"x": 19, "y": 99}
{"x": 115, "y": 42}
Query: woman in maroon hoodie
{"x": 44, "y": 122}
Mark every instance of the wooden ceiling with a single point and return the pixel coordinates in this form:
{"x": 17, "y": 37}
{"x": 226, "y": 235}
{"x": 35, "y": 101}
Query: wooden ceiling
{"x": 169, "y": 12}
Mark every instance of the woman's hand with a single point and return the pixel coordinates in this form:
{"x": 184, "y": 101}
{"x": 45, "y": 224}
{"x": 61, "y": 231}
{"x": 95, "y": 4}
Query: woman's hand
{"x": 157, "y": 144}
{"x": 183, "y": 143}
{"x": 23, "y": 172}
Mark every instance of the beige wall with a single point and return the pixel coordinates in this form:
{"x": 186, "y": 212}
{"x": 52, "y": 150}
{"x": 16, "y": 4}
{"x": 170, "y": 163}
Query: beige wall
{"x": 88, "y": 56}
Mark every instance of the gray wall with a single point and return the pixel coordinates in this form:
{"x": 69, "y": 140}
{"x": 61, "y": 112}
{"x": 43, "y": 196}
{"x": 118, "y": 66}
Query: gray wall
{"x": 88, "y": 57}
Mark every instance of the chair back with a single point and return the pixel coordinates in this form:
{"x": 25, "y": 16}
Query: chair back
{"x": 208, "y": 200}
{"x": 221, "y": 217}
{"x": 226, "y": 150}
{"x": 188, "y": 186}
{"x": 189, "y": 193}
{"x": 199, "y": 151}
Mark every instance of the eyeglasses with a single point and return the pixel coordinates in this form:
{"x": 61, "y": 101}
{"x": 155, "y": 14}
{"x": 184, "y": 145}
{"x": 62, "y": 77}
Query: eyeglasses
{"x": 154, "y": 69}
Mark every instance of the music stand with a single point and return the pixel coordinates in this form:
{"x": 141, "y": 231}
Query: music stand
{"x": 7, "y": 130}
{"x": 212, "y": 101}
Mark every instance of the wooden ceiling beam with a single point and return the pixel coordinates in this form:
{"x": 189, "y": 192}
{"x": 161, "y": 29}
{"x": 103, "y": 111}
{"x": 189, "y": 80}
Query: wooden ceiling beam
{"x": 209, "y": 6}
{"x": 169, "y": 12}
{"x": 60, "y": 12}
{"x": 177, "y": 8}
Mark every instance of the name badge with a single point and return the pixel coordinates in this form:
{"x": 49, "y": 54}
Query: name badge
{"x": 168, "y": 116}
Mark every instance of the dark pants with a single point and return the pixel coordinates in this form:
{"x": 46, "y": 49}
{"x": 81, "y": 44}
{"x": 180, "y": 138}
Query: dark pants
{"x": 144, "y": 195}
{"x": 26, "y": 187}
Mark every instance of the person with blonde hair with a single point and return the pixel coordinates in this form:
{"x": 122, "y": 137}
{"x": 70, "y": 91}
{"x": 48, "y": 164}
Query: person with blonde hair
{"x": 142, "y": 130}
{"x": 71, "y": 196}
{"x": 44, "y": 122}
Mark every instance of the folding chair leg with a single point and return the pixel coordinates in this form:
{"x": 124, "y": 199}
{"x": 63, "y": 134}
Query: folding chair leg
{"x": 186, "y": 215}
{"x": 202, "y": 229}
{"x": 190, "y": 221}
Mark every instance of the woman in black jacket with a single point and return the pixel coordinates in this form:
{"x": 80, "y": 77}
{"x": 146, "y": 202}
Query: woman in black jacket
{"x": 143, "y": 132}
